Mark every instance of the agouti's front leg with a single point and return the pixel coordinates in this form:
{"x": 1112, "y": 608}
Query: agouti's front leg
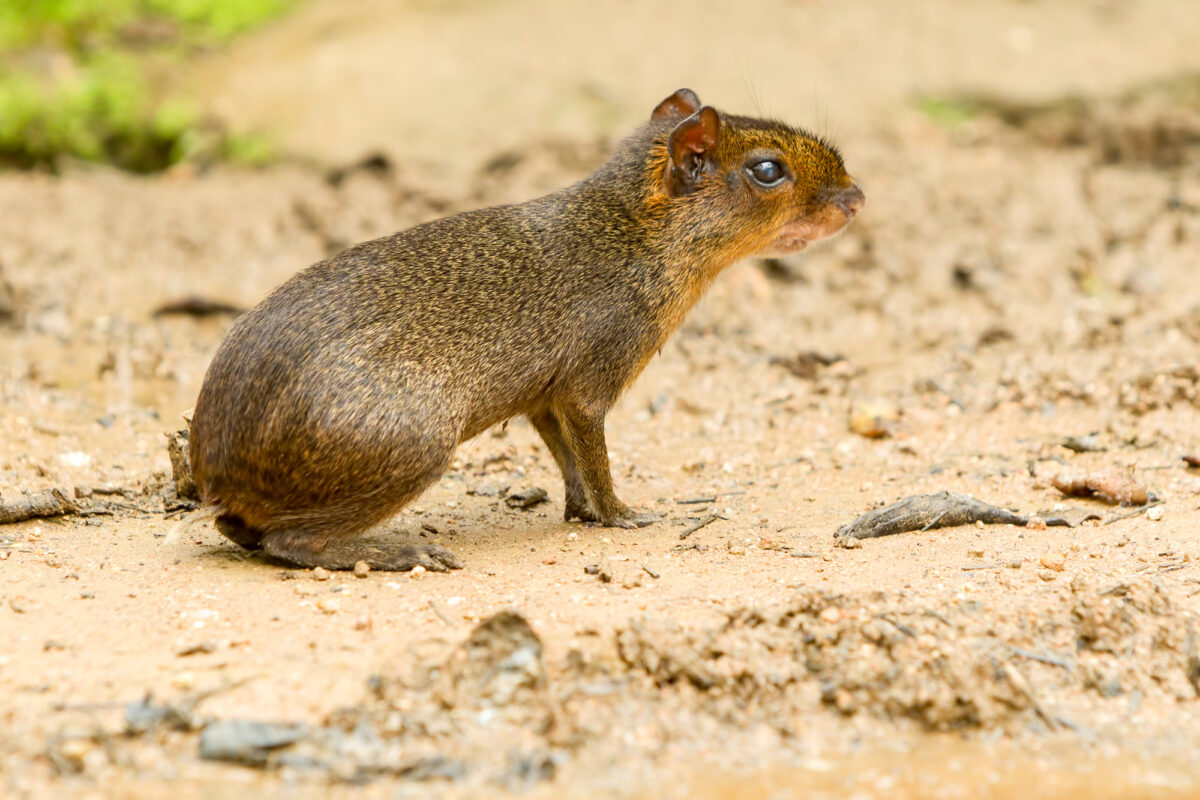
{"x": 577, "y": 506}
{"x": 584, "y": 434}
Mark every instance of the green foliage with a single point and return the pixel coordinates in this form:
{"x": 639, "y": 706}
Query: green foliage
{"x": 950, "y": 111}
{"x": 73, "y": 80}
{"x": 221, "y": 18}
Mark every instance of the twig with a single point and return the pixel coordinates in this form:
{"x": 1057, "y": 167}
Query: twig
{"x": 971, "y": 567}
{"x": 48, "y": 503}
{"x": 1021, "y": 684}
{"x": 935, "y": 520}
{"x": 650, "y": 572}
{"x": 440, "y": 615}
{"x": 711, "y": 518}
{"x": 1133, "y": 513}
{"x": 695, "y": 501}
{"x": 1045, "y": 659}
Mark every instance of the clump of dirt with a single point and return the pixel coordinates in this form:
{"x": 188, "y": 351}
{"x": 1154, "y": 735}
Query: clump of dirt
{"x": 492, "y": 711}
{"x": 1161, "y": 389}
{"x": 949, "y": 668}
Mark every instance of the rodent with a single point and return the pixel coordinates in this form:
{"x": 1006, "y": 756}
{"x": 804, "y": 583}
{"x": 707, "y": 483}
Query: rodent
{"x": 344, "y": 394}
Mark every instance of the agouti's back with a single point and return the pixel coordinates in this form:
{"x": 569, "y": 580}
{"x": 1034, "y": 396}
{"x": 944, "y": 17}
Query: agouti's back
{"x": 343, "y": 395}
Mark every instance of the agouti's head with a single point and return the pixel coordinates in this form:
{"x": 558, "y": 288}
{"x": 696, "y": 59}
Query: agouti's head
{"x": 755, "y": 186}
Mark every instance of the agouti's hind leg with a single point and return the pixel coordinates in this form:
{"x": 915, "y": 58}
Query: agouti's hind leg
{"x": 311, "y": 550}
{"x": 577, "y": 506}
{"x": 233, "y": 528}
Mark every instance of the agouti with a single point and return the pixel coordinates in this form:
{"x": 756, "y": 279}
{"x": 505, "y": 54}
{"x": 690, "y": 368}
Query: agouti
{"x": 343, "y": 395}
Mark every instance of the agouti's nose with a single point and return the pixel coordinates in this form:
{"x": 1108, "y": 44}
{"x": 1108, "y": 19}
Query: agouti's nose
{"x": 850, "y": 201}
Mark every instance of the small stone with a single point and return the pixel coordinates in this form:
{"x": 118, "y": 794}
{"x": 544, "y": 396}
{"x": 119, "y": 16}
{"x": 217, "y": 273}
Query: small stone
{"x": 361, "y": 569}
{"x": 321, "y": 574}
{"x": 1047, "y": 575}
{"x": 197, "y": 648}
{"x": 831, "y": 615}
{"x": 527, "y": 499}
{"x": 329, "y": 605}
{"x": 76, "y": 751}
{"x": 1015, "y": 563}
{"x": 363, "y": 623}
{"x": 1036, "y": 524}
{"x": 874, "y": 420}
{"x": 184, "y": 680}
{"x": 549, "y": 560}
{"x": 977, "y": 552}
{"x": 843, "y": 699}
{"x": 246, "y": 741}
{"x": 1154, "y": 514}
{"x": 416, "y": 571}
{"x": 736, "y": 549}
{"x": 604, "y": 570}
{"x": 1054, "y": 561}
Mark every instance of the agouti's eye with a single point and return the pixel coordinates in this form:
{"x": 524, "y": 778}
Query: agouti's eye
{"x": 767, "y": 173}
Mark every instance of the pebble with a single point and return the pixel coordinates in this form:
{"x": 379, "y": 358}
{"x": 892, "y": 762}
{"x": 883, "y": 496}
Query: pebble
{"x": 329, "y": 605}
{"x": 320, "y": 574}
{"x": 1047, "y": 575}
{"x": 416, "y": 572}
{"x": 361, "y": 569}
{"x": 549, "y": 560}
{"x": 1054, "y": 561}
{"x": 1154, "y": 514}
{"x": 76, "y": 751}
{"x": 1036, "y": 524}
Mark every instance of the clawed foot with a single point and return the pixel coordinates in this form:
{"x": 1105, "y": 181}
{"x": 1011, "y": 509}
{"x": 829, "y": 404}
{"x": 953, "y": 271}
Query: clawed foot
{"x": 430, "y": 556}
{"x": 579, "y": 510}
{"x": 628, "y": 518}
{"x": 624, "y": 517}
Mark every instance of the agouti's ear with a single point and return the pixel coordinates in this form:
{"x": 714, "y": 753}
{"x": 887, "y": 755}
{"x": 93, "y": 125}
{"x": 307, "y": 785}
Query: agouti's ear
{"x": 682, "y": 104}
{"x": 691, "y": 147}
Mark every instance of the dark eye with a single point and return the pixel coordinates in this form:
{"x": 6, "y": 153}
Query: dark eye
{"x": 767, "y": 173}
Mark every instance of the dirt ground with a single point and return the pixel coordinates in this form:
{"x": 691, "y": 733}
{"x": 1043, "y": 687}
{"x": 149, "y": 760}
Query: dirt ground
{"x": 1024, "y": 275}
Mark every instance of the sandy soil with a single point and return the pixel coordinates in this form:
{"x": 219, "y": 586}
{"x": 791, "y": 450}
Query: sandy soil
{"x": 1017, "y": 278}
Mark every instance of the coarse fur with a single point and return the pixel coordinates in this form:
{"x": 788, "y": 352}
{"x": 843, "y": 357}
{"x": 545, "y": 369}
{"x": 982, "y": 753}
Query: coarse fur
{"x": 343, "y": 395}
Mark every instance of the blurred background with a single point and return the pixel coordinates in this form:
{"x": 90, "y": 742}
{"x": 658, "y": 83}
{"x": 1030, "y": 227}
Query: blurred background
{"x": 1020, "y": 293}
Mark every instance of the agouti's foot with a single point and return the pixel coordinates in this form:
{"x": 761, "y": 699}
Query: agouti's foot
{"x": 580, "y": 511}
{"x": 629, "y": 518}
{"x": 381, "y": 555}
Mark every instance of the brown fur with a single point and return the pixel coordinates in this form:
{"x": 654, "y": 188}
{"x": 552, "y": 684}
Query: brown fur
{"x": 343, "y": 395}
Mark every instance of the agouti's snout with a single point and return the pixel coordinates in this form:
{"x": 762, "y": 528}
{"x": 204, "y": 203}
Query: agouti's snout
{"x": 850, "y": 201}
